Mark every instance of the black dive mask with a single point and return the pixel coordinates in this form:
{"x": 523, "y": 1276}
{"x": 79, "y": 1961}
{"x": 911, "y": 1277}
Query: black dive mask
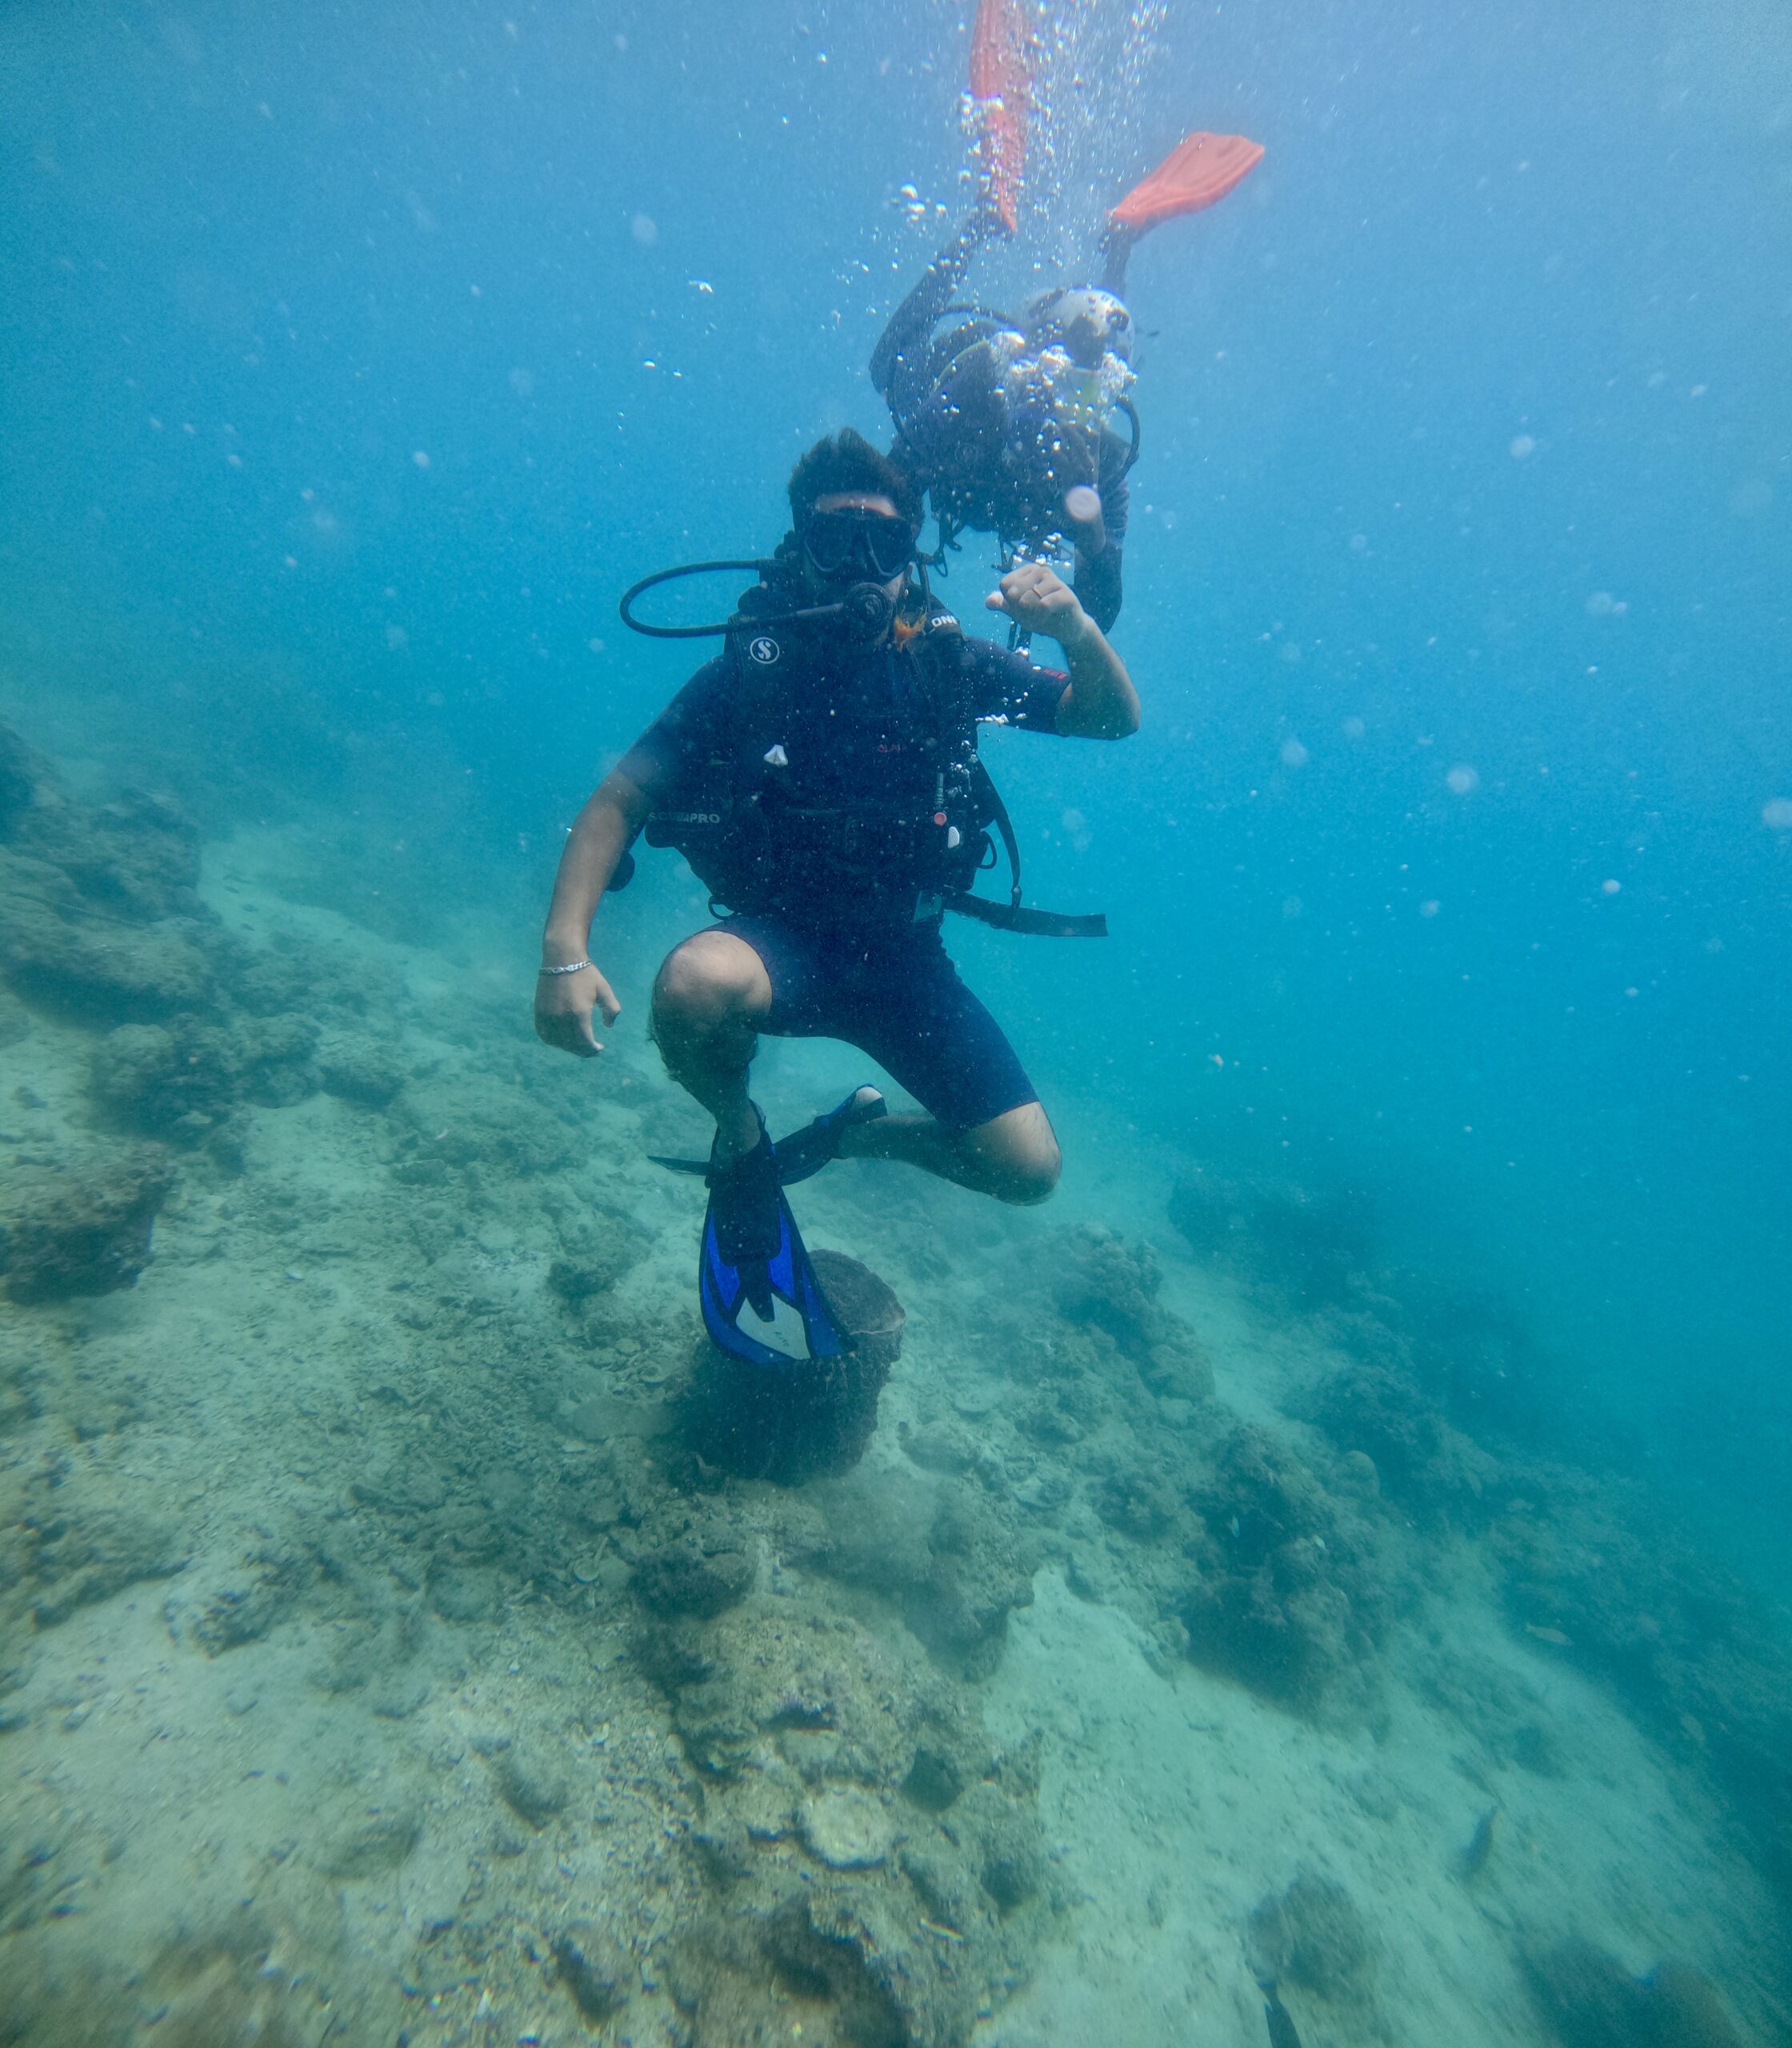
{"x": 853, "y": 542}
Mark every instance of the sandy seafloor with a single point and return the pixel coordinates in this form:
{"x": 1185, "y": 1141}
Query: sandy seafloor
{"x": 333, "y": 1696}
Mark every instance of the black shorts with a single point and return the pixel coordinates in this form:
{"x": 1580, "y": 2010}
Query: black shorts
{"x": 900, "y": 1000}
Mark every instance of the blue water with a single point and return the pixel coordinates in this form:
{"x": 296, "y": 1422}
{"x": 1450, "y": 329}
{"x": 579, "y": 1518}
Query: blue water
{"x": 354, "y": 357}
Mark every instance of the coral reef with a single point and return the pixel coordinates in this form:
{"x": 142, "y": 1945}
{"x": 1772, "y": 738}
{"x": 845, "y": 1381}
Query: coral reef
{"x": 1599, "y": 1569}
{"x": 85, "y": 1230}
{"x": 1591, "y": 2001}
{"x": 1596, "y": 1565}
{"x": 397, "y": 1478}
{"x": 1375, "y": 1410}
{"x": 1293, "y": 1592}
{"x": 1310, "y": 1934}
{"x": 1112, "y": 1285}
{"x": 182, "y": 1081}
{"x": 99, "y": 917}
{"x": 83, "y": 1554}
{"x": 1315, "y": 1250}
{"x": 870, "y": 1856}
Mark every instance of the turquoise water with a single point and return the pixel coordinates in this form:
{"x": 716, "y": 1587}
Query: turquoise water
{"x": 354, "y": 359}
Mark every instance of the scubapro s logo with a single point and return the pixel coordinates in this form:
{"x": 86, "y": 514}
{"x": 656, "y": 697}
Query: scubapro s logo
{"x": 764, "y": 650}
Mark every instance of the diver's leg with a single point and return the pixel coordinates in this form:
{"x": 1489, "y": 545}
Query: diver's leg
{"x": 711, "y": 997}
{"x": 1014, "y": 1157}
{"x": 1117, "y": 246}
{"x": 985, "y": 1129}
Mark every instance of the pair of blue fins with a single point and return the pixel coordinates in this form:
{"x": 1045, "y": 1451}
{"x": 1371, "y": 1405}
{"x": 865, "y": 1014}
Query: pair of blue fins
{"x": 762, "y": 1302}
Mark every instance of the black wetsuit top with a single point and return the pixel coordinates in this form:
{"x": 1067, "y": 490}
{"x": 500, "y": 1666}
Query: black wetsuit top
{"x": 852, "y": 735}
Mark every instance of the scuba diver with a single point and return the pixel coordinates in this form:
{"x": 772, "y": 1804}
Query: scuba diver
{"x": 821, "y": 776}
{"x": 1008, "y": 425}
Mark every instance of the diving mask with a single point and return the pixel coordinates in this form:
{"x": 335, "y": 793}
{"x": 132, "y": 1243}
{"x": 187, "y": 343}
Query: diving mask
{"x": 854, "y": 541}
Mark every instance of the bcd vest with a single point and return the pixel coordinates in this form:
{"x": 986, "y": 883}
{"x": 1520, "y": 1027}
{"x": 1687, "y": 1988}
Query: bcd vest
{"x": 766, "y": 824}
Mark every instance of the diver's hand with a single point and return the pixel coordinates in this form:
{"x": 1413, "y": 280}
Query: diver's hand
{"x": 564, "y": 1005}
{"x": 1038, "y": 600}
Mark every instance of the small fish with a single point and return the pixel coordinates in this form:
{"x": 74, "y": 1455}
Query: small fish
{"x": 1282, "y": 2033}
{"x": 1473, "y": 1859}
{"x": 1553, "y": 1637}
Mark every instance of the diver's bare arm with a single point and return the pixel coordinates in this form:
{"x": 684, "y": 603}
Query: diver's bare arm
{"x": 1099, "y": 702}
{"x": 612, "y": 814}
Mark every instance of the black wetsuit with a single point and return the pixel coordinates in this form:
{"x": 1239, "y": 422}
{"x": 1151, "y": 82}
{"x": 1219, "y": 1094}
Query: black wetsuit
{"x": 954, "y": 433}
{"x": 845, "y": 926}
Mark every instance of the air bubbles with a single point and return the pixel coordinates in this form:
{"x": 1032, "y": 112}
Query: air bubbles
{"x": 1461, "y": 779}
{"x": 1776, "y": 813}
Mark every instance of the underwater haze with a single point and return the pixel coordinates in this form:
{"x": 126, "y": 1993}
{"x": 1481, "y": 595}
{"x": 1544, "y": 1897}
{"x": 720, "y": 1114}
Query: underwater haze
{"x": 1328, "y": 1570}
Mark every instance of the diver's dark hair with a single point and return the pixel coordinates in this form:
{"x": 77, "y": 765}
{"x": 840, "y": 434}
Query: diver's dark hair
{"x": 847, "y": 461}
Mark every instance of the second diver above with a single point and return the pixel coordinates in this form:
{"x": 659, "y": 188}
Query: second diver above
{"x": 821, "y": 775}
{"x": 1009, "y": 425}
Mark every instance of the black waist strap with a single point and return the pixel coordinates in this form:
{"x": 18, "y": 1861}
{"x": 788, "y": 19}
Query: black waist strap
{"x": 1032, "y": 924}
{"x": 1013, "y": 916}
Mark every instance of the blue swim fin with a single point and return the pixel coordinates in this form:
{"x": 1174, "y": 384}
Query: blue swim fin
{"x": 767, "y": 1311}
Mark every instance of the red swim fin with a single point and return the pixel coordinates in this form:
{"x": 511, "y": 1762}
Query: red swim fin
{"x": 1001, "y": 85}
{"x": 1198, "y": 172}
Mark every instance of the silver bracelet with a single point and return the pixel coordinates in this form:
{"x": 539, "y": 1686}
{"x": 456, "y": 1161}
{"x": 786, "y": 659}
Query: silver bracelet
{"x": 571, "y": 967}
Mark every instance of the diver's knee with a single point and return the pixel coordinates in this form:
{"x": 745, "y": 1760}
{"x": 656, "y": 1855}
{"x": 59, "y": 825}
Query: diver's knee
{"x": 1016, "y": 1157}
{"x": 709, "y": 980}
{"x": 1024, "y": 1170}
{"x": 1030, "y": 1180}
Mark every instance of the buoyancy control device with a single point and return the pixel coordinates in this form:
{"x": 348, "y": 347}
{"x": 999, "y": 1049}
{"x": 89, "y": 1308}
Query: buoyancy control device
{"x": 754, "y": 836}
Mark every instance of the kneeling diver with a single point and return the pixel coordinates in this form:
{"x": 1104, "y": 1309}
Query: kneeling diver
{"x": 821, "y": 775}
